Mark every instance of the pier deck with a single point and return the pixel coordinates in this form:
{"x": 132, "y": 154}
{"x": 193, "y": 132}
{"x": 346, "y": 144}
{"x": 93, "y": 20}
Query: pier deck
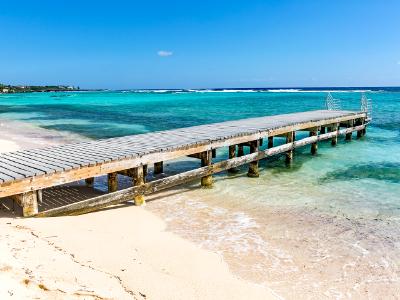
{"x": 24, "y": 174}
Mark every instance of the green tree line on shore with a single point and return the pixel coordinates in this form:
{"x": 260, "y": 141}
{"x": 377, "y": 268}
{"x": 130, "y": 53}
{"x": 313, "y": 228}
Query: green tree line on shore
{"x": 35, "y": 88}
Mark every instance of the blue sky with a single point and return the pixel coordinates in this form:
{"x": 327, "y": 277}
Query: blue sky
{"x": 197, "y": 44}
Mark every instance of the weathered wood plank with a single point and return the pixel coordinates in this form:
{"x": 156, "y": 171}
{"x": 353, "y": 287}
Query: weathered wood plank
{"x": 11, "y": 173}
{"x": 5, "y": 177}
{"x": 68, "y": 157}
{"x": 87, "y": 153}
{"x": 56, "y": 164}
{"x": 19, "y": 168}
{"x": 33, "y": 163}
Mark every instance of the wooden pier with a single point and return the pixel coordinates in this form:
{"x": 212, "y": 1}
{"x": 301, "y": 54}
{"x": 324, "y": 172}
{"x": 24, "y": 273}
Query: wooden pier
{"x": 25, "y": 174}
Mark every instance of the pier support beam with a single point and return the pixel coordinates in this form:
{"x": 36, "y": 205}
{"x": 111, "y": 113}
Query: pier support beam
{"x": 89, "y": 181}
{"x": 39, "y": 194}
{"x": 232, "y": 154}
{"x": 270, "y": 142}
{"x": 289, "y": 154}
{"x": 206, "y": 160}
{"x": 253, "y": 166}
{"x": 158, "y": 168}
{"x": 112, "y": 182}
{"x": 334, "y": 127}
{"x": 360, "y": 133}
{"x": 29, "y": 203}
{"x": 138, "y": 179}
{"x": 314, "y": 146}
{"x": 349, "y": 135}
{"x": 145, "y": 172}
{"x": 240, "y": 150}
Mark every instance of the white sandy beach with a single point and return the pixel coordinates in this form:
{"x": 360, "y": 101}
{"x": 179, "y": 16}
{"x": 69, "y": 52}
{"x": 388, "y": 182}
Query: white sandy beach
{"x": 118, "y": 253}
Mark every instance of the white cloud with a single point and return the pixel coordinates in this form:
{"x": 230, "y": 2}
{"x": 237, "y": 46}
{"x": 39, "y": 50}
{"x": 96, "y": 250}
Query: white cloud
{"x": 164, "y": 53}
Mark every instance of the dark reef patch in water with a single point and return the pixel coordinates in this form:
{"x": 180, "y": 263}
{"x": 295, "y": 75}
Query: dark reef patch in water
{"x": 380, "y": 171}
{"x": 103, "y": 120}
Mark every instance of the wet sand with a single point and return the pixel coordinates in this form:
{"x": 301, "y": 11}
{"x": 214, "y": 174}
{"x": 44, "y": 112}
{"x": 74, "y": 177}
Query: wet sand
{"x": 299, "y": 253}
{"x": 16, "y": 135}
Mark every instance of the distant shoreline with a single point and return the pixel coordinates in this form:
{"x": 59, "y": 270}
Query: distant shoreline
{"x": 10, "y": 89}
{"x": 16, "y": 89}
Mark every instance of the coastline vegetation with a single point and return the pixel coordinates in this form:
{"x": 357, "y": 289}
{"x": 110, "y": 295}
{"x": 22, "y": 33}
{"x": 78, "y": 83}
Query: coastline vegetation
{"x": 5, "y": 89}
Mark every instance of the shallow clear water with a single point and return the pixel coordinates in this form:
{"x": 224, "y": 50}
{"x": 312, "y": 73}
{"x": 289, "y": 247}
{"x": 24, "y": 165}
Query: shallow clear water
{"x": 328, "y": 226}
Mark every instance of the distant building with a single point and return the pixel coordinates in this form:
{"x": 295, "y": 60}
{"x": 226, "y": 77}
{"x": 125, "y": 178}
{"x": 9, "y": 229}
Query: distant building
{"x": 5, "y": 90}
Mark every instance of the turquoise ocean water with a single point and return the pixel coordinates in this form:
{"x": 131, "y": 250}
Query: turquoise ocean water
{"x": 329, "y": 226}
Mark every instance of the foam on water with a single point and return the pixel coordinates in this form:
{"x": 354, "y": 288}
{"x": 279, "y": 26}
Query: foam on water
{"x": 284, "y": 90}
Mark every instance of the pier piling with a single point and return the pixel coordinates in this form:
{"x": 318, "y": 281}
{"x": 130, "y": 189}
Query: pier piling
{"x": 289, "y": 154}
{"x": 112, "y": 182}
{"x": 270, "y": 142}
{"x": 314, "y": 146}
{"x": 158, "y": 168}
{"x": 240, "y": 150}
{"x": 29, "y": 203}
{"x": 232, "y": 154}
{"x": 334, "y": 127}
{"x": 206, "y": 160}
{"x": 138, "y": 180}
{"x": 253, "y": 166}
{"x": 145, "y": 172}
{"x": 360, "y": 133}
{"x": 89, "y": 181}
{"x": 350, "y": 134}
